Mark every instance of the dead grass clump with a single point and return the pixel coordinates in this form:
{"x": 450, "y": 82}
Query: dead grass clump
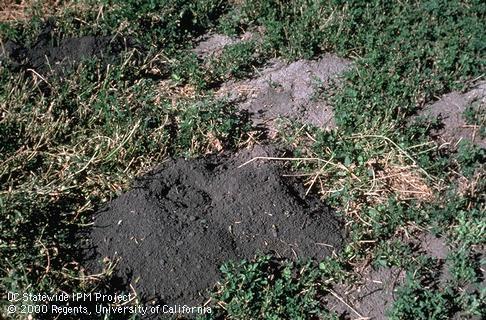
{"x": 384, "y": 170}
{"x": 167, "y": 90}
{"x": 469, "y": 186}
{"x": 403, "y": 181}
{"x": 20, "y": 10}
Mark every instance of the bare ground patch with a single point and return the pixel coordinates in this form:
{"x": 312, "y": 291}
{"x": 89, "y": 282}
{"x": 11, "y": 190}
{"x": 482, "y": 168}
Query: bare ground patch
{"x": 369, "y": 298}
{"x": 290, "y": 91}
{"x": 449, "y": 110}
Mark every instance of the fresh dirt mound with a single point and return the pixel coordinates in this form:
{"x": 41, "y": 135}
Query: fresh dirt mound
{"x": 288, "y": 91}
{"x": 450, "y": 111}
{"x": 46, "y": 57}
{"x": 179, "y": 223}
{"x": 281, "y": 90}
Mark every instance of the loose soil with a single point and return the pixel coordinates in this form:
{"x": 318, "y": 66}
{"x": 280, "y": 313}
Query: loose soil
{"x": 280, "y": 90}
{"x": 291, "y": 91}
{"x": 370, "y": 298}
{"x": 449, "y": 109}
{"x": 212, "y": 44}
{"x": 179, "y": 223}
{"x": 46, "y": 57}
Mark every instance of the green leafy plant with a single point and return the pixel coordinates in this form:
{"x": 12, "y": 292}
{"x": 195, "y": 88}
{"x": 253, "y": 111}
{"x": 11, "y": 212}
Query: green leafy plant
{"x": 416, "y": 301}
{"x": 269, "y": 289}
{"x": 475, "y": 114}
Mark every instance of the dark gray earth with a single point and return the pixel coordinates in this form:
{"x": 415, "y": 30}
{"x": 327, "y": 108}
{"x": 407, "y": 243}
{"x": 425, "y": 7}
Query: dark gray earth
{"x": 179, "y": 223}
{"x": 47, "y": 57}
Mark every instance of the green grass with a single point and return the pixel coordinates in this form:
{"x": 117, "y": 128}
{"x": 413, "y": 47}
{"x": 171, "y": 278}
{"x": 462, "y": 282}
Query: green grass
{"x": 476, "y": 115}
{"x": 69, "y": 145}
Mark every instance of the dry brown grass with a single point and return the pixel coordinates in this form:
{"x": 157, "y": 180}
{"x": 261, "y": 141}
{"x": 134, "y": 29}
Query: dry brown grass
{"x": 19, "y": 10}
{"x": 402, "y": 180}
{"x": 468, "y": 186}
{"x": 391, "y": 172}
{"x": 389, "y": 178}
{"x": 167, "y": 90}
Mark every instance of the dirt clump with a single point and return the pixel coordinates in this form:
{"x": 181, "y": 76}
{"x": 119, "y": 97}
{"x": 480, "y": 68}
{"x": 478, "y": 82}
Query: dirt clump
{"x": 288, "y": 91}
{"x": 180, "y": 222}
{"x": 47, "y": 57}
{"x": 212, "y": 44}
{"x": 450, "y": 108}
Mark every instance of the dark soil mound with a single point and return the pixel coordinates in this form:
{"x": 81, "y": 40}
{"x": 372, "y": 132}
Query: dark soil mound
{"x": 178, "y": 224}
{"x": 47, "y": 56}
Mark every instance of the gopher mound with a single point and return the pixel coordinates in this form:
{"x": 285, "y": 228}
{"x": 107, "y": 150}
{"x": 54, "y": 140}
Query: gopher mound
{"x": 179, "y": 223}
{"x": 450, "y": 111}
{"x": 290, "y": 91}
{"x": 49, "y": 55}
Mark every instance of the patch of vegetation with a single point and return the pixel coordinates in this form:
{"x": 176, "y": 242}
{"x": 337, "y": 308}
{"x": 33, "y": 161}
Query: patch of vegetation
{"x": 70, "y": 144}
{"x": 463, "y": 266}
{"x": 415, "y": 52}
{"x": 424, "y": 297}
{"x": 269, "y": 289}
{"x": 475, "y": 114}
{"x": 151, "y": 23}
{"x": 469, "y": 158}
{"x": 235, "y": 62}
{"x": 417, "y": 301}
